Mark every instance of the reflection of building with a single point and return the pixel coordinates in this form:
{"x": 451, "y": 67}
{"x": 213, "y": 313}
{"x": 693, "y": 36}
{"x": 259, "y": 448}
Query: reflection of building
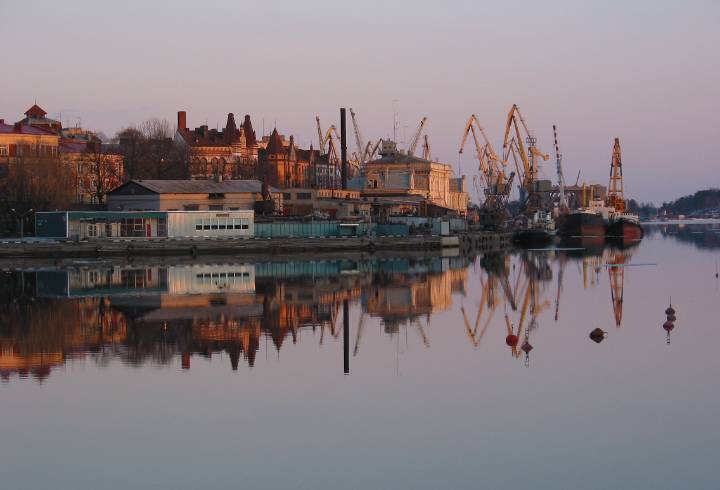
{"x": 164, "y": 313}
{"x": 36, "y": 337}
{"x": 404, "y": 298}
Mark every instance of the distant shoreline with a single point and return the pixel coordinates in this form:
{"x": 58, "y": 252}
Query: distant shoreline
{"x": 697, "y": 221}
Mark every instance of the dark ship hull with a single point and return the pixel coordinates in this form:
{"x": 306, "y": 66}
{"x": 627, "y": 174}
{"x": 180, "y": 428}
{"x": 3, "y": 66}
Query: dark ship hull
{"x": 533, "y": 238}
{"x": 582, "y": 224}
{"x": 625, "y": 230}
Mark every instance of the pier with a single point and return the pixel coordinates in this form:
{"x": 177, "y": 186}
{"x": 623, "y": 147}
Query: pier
{"x": 130, "y": 247}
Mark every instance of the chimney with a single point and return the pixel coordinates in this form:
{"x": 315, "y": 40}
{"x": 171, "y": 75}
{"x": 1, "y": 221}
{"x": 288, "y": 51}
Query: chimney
{"x": 182, "y": 120}
{"x": 343, "y": 149}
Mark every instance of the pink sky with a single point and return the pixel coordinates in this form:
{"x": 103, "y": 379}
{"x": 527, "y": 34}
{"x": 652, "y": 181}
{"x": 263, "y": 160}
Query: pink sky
{"x": 646, "y": 73}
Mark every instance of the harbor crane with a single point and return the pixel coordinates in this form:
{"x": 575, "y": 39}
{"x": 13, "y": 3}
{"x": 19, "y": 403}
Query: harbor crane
{"x": 517, "y": 135}
{"x": 326, "y": 138}
{"x": 427, "y": 154}
{"x": 416, "y": 138}
{"x": 358, "y": 140}
{"x": 492, "y": 169}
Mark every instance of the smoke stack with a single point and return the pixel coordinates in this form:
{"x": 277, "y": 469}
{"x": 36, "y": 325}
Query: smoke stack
{"x": 343, "y": 149}
{"x": 182, "y": 120}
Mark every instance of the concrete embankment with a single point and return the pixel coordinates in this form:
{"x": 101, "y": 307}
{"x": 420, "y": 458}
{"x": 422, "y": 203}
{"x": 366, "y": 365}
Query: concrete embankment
{"x": 247, "y": 246}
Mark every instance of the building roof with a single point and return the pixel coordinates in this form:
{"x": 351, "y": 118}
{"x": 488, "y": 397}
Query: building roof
{"x": 35, "y": 111}
{"x": 231, "y": 133}
{"x": 22, "y": 128}
{"x": 250, "y": 138}
{"x": 198, "y": 186}
{"x": 275, "y": 144}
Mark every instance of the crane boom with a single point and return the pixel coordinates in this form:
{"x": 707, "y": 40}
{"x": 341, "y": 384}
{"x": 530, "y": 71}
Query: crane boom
{"x": 321, "y": 142}
{"x": 358, "y": 135}
{"x": 416, "y": 137}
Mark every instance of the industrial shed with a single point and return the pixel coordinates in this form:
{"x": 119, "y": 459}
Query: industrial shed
{"x": 190, "y": 195}
{"x": 93, "y": 225}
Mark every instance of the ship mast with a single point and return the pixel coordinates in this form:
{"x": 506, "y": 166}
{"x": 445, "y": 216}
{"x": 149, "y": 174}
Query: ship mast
{"x": 616, "y": 198}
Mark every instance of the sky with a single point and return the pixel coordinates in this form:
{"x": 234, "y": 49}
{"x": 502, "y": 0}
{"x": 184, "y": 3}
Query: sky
{"x": 644, "y": 71}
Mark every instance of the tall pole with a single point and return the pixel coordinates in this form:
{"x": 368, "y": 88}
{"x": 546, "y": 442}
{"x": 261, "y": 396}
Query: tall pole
{"x": 346, "y": 337}
{"x": 343, "y": 148}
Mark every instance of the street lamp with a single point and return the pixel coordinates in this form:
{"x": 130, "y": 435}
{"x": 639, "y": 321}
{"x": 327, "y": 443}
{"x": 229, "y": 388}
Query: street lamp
{"x": 22, "y": 219}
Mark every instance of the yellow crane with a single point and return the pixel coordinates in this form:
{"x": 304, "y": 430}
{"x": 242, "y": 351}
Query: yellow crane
{"x": 514, "y": 141}
{"x": 492, "y": 170}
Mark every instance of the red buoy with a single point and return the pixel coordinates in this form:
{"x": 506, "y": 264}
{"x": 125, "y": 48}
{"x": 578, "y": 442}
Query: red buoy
{"x": 511, "y": 340}
{"x": 668, "y": 325}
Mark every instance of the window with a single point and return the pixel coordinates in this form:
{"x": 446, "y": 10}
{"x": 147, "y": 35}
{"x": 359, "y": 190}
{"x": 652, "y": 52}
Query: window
{"x": 303, "y": 195}
{"x": 222, "y": 224}
{"x": 199, "y": 224}
{"x": 191, "y": 207}
{"x": 4, "y": 151}
{"x": 215, "y": 207}
{"x": 92, "y": 231}
{"x": 162, "y": 227}
{"x": 287, "y": 196}
{"x": 130, "y": 227}
{"x": 214, "y": 225}
{"x": 206, "y": 225}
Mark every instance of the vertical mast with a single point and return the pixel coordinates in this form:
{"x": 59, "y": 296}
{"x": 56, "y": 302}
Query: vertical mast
{"x": 561, "y": 178}
{"x": 616, "y": 197}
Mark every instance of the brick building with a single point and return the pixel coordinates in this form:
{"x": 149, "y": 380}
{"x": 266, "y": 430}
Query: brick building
{"x": 284, "y": 165}
{"x": 230, "y": 153}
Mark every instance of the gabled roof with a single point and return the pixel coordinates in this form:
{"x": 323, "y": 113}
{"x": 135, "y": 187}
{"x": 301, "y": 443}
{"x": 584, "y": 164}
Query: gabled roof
{"x": 197, "y": 186}
{"x": 275, "y": 144}
{"x": 35, "y": 111}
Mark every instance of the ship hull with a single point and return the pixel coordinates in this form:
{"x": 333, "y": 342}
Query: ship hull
{"x": 530, "y": 238}
{"x": 627, "y": 231}
{"x": 582, "y": 224}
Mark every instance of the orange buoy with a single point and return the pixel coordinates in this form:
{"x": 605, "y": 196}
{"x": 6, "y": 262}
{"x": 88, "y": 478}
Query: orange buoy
{"x": 511, "y": 340}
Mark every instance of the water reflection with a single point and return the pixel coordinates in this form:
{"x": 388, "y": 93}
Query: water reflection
{"x": 161, "y": 313}
{"x": 703, "y": 236}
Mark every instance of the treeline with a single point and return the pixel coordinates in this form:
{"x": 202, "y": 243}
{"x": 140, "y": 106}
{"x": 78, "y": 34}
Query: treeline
{"x": 642, "y": 209}
{"x": 702, "y": 200}
{"x": 150, "y": 152}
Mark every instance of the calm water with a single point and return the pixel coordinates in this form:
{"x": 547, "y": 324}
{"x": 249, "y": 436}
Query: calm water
{"x": 221, "y": 374}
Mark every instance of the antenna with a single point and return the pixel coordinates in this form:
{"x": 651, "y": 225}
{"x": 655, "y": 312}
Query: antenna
{"x": 395, "y": 120}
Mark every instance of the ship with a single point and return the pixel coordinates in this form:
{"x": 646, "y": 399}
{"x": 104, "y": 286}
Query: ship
{"x": 539, "y": 230}
{"x": 625, "y": 226}
{"x": 581, "y": 223}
